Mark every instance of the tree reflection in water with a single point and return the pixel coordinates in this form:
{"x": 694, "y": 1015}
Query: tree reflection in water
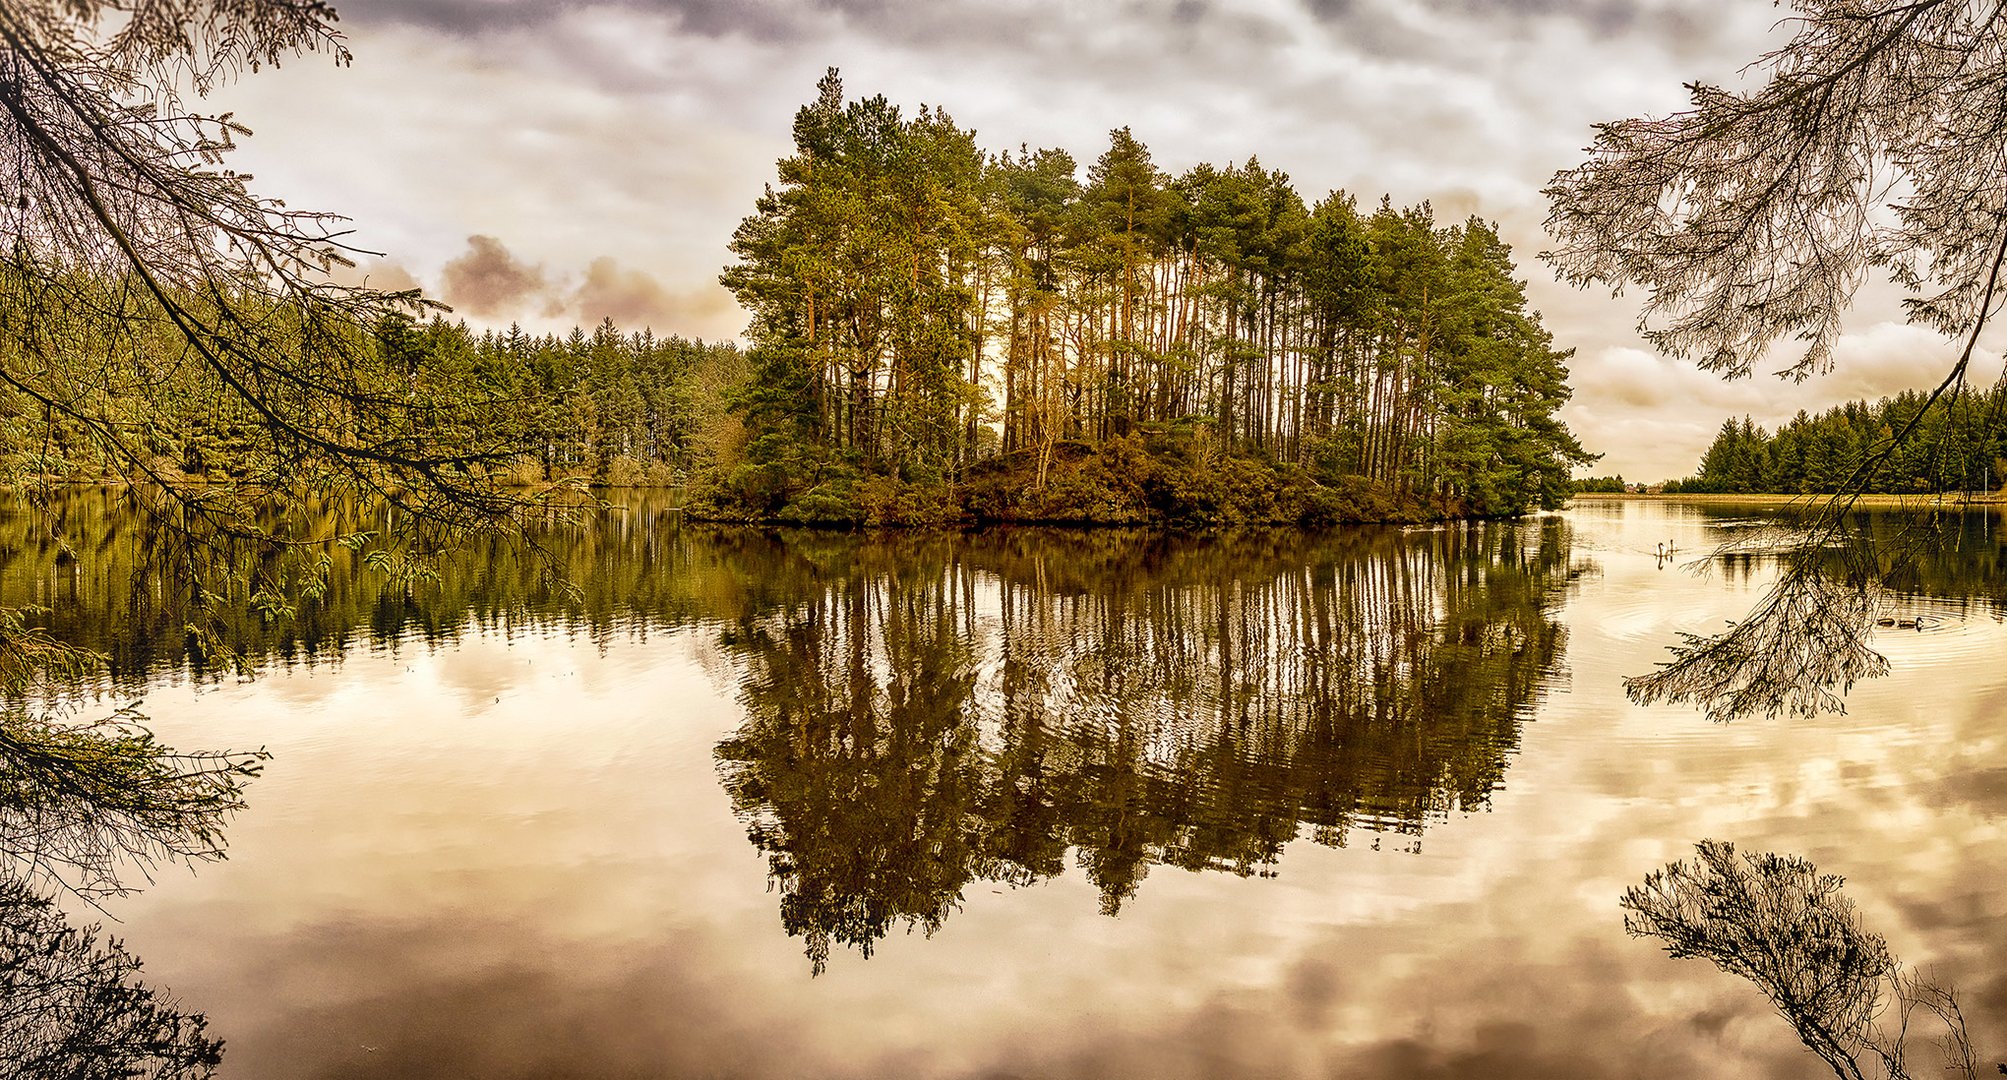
{"x": 1841, "y": 579}
{"x": 930, "y": 715}
{"x": 1799, "y": 650}
{"x": 1778, "y": 922}
{"x": 82, "y": 810}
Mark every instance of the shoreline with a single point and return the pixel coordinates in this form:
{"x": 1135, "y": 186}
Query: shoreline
{"x": 1881, "y": 501}
{"x": 1117, "y": 518}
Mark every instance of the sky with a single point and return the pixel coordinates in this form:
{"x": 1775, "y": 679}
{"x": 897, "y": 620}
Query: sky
{"x": 554, "y": 163}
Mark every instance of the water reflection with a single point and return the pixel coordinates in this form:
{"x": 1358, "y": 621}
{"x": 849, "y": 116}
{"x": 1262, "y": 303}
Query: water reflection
{"x": 84, "y": 810}
{"x": 1068, "y": 709}
{"x": 938, "y": 713}
{"x": 923, "y": 712}
{"x": 71, "y": 1004}
{"x": 1779, "y": 923}
{"x": 102, "y": 576}
{"x": 1803, "y": 646}
{"x": 1839, "y": 582}
{"x": 111, "y": 583}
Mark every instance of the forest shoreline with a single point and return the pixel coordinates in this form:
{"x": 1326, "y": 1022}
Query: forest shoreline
{"x": 1154, "y": 524}
{"x": 1876, "y": 501}
{"x": 951, "y": 511}
{"x": 1124, "y": 482}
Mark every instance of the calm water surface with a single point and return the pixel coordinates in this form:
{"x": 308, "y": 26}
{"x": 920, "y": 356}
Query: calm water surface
{"x": 1033, "y": 803}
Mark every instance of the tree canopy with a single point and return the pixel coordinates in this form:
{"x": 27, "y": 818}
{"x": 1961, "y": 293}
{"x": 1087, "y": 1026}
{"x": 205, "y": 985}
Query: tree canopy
{"x": 919, "y": 305}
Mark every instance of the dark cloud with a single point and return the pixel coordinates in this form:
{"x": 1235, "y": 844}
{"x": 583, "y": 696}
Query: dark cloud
{"x": 1686, "y": 29}
{"x": 754, "y": 20}
{"x": 388, "y": 276}
{"x": 489, "y": 281}
{"x": 392, "y": 1002}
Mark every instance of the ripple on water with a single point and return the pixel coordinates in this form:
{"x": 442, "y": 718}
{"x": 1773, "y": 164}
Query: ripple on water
{"x": 1636, "y": 615}
{"x": 1660, "y": 607}
{"x": 1948, "y": 636}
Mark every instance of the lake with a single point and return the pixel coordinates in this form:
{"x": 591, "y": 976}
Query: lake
{"x": 1034, "y": 802}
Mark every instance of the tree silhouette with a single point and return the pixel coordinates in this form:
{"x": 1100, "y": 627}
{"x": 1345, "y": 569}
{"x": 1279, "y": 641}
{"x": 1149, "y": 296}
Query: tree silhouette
{"x": 1875, "y": 143}
{"x": 1874, "y": 140}
{"x": 1779, "y": 923}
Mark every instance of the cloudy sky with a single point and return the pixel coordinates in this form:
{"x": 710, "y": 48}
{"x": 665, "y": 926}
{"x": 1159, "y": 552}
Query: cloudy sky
{"x": 557, "y": 162}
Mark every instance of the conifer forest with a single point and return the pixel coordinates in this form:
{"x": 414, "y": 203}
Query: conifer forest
{"x": 939, "y": 333}
{"x": 1096, "y": 548}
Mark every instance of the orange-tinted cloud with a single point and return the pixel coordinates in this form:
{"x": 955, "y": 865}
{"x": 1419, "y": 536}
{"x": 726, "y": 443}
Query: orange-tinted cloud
{"x": 634, "y": 299}
{"x": 489, "y": 280}
{"x": 383, "y": 275}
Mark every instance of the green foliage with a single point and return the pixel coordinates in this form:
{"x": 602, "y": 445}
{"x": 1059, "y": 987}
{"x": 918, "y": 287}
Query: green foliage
{"x": 1957, "y": 444}
{"x": 1601, "y": 485}
{"x": 607, "y": 407}
{"x": 937, "y": 335}
{"x": 920, "y": 311}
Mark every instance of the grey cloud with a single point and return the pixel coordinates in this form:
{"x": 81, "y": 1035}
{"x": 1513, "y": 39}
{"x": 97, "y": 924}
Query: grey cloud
{"x": 488, "y": 280}
{"x": 495, "y": 1001}
{"x": 1180, "y": 27}
{"x": 756, "y": 20}
{"x": 1679, "y": 25}
{"x": 1382, "y": 31}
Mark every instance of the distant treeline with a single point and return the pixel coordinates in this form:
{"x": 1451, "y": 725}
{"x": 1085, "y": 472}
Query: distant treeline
{"x": 608, "y": 407}
{"x": 1960, "y": 444}
{"x": 612, "y": 408}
